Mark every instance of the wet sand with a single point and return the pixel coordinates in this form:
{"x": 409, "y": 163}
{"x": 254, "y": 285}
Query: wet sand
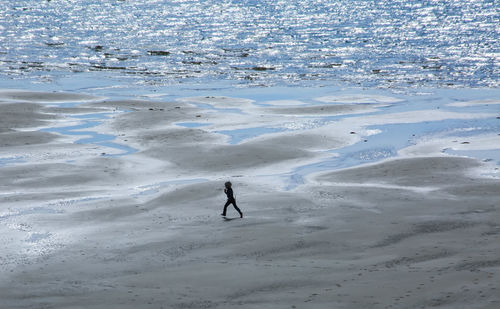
{"x": 85, "y": 227}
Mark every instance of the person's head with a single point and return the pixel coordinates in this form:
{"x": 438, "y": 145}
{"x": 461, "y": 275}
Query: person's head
{"x": 228, "y": 184}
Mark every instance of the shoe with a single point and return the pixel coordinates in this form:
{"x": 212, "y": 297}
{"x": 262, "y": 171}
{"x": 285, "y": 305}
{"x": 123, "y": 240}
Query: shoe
{"x": 241, "y": 215}
{"x": 223, "y": 215}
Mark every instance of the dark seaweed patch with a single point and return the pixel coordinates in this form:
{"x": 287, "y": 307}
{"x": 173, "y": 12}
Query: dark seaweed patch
{"x": 158, "y": 53}
{"x": 262, "y": 69}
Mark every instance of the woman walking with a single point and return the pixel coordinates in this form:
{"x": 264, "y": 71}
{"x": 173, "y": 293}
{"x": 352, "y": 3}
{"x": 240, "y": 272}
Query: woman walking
{"x": 230, "y": 199}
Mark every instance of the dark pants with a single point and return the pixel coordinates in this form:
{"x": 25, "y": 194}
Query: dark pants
{"x": 234, "y": 205}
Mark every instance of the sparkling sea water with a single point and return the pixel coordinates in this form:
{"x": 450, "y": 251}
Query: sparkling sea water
{"x": 428, "y": 53}
{"x": 397, "y": 45}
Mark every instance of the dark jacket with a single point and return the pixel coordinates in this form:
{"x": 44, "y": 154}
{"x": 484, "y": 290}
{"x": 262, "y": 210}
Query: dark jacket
{"x": 229, "y": 193}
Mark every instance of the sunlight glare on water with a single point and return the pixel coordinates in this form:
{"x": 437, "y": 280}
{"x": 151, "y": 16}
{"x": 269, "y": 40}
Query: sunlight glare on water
{"x": 383, "y": 44}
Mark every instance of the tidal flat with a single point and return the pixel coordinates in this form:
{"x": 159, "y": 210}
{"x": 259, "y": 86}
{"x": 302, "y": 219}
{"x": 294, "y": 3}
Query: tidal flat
{"x": 353, "y": 200}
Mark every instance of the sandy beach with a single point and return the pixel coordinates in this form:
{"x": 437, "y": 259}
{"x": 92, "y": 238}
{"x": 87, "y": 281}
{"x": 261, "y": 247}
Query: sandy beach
{"x": 362, "y": 139}
{"x": 116, "y": 204}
